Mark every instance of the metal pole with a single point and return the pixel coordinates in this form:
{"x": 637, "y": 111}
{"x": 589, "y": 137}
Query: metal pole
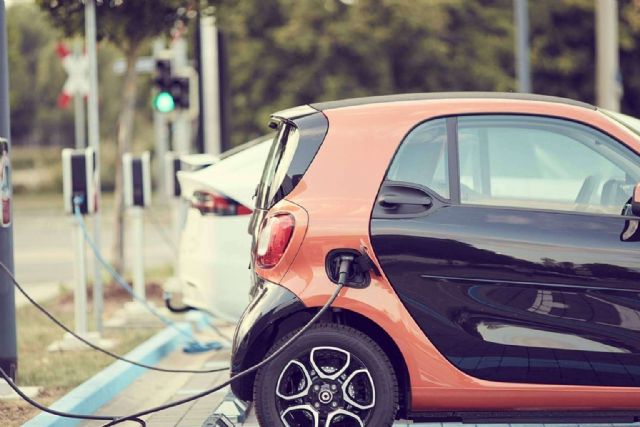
{"x": 608, "y": 84}
{"x": 161, "y": 133}
{"x": 137, "y": 225}
{"x": 181, "y": 139}
{"x": 210, "y": 83}
{"x": 8, "y": 344}
{"x": 94, "y": 141}
{"x": 78, "y": 103}
{"x": 80, "y": 276}
{"x": 521, "y": 23}
{"x": 182, "y": 123}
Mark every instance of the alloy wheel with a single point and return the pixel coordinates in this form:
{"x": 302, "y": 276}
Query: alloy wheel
{"x": 325, "y": 387}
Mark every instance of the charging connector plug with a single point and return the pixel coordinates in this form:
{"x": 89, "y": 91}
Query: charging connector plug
{"x": 346, "y": 261}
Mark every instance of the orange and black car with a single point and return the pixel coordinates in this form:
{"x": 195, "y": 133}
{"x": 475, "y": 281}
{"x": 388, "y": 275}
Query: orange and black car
{"x": 504, "y": 279}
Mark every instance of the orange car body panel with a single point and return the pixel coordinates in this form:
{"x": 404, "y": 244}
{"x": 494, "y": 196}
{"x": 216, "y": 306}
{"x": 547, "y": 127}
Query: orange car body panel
{"x": 337, "y": 204}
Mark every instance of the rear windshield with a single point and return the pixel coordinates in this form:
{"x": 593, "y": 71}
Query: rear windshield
{"x": 294, "y": 147}
{"x": 275, "y": 170}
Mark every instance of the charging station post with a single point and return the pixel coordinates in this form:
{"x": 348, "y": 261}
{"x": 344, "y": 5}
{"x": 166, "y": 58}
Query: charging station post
{"x": 80, "y": 198}
{"x": 8, "y": 344}
{"x": 137, "y": 196}
{"x": 80, "y": 282}
{"x": 136, "y": 171}
{"x": 173, "y": 165}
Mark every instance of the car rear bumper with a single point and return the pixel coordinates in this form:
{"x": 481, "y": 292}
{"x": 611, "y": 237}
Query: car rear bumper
{"x": 257, "y": 328}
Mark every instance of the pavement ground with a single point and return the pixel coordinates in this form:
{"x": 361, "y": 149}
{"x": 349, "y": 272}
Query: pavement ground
{"x": 155, "y": 388}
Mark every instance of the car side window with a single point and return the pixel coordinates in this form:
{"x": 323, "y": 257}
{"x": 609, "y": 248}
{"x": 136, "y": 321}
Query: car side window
{"x": 543, "y": 163}
{"x": 422, "y": 158}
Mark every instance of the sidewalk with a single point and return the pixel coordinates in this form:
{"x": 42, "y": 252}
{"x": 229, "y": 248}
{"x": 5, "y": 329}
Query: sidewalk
{"x": 157, "y": 388}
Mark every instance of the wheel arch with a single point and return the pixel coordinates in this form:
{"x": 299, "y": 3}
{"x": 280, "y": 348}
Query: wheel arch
{"x": 293, "y": 321}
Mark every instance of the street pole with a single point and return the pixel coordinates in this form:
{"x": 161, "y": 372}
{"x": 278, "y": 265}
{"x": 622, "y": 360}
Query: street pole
{"x": 608, "y": 84}
{"x": 182, "y": 123}
{"x": 8, "y": 344}
{"x": 94, "y": 142}
{"x": 521, "y": 24}
{"x": 181, "y": 137}
{"x": 161, "y": 132}
{"x": 78, "y": 104}
{"x": 210, "y": 77}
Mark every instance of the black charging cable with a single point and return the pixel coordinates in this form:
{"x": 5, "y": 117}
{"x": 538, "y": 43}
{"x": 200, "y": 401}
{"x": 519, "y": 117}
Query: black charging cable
{"x": 96, "y": 347}
{"x": 43, "y": 408}
{"x": 345, "y": 267}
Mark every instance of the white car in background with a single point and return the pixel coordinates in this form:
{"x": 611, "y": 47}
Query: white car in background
{"x": 214, "y": 256}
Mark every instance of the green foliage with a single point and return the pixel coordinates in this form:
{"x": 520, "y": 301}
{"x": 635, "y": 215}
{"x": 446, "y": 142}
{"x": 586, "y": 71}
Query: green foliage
{"x": 289, "y": 52}
{"x": 126, "y": 23}
{"x": 284, "y": 53}
{"x": 36, "y": 78}
{"x": 563, "y": 48}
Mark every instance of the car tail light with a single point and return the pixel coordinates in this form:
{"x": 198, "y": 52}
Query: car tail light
{"x": 273, "y": 239}
{"x": 208, "y": 202}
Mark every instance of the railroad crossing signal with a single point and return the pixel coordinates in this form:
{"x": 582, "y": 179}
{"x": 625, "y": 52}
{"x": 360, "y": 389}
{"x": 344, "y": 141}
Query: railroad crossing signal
{"x": 77, "y": 68}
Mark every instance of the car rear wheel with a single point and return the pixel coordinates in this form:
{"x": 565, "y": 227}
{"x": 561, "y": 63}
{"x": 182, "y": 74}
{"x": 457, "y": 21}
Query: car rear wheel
{"x": 332, "y": 376}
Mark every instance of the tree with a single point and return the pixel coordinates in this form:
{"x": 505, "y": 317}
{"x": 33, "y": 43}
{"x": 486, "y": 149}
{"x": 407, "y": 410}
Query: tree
{"x": 129, "y": 25}
{"x": 31, "y": 44}
{"x": 289, "y": 52}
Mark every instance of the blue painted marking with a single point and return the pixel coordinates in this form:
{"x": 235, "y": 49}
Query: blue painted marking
{"x": 89, "y": 396}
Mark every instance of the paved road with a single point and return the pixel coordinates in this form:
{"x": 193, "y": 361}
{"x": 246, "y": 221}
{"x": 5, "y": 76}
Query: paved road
{"x": 43, "y": 241}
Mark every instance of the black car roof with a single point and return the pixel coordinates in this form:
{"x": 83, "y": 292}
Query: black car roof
{"x": 351, "y": 102}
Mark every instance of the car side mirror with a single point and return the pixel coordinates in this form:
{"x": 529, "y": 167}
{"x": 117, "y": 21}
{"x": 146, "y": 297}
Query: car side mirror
{"x": 635, "y": 200}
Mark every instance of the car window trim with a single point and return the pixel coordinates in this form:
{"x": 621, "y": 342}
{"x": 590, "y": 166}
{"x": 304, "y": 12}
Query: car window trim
{"x": 551, "y": 211}
{"x": 453, "y": 159}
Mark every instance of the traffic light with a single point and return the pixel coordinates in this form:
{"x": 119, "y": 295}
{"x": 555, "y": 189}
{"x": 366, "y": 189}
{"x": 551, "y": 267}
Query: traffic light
{"x": 180, "y": 92}
{"x": 173, "y": 90}
{"x": 163, "y": 101}
{"x": 163, "y": 74}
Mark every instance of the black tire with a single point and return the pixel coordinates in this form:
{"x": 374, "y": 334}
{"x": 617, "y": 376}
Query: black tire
{"x": 363, "y": 351}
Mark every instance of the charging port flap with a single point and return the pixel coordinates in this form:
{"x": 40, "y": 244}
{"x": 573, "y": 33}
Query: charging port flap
{"x": 358, "y": 276}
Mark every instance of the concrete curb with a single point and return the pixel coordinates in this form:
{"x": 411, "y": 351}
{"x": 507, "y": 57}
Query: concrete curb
{"x": 89, "y": 396}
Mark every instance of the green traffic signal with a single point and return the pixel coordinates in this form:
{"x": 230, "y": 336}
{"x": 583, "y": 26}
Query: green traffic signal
{"x": 164, "y": 102}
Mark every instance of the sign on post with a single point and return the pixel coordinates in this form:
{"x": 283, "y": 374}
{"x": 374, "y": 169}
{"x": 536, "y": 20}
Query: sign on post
{"x": 5, "y": 183}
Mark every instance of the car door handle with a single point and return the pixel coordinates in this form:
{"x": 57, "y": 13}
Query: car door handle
{"x": 391, "y": 200}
